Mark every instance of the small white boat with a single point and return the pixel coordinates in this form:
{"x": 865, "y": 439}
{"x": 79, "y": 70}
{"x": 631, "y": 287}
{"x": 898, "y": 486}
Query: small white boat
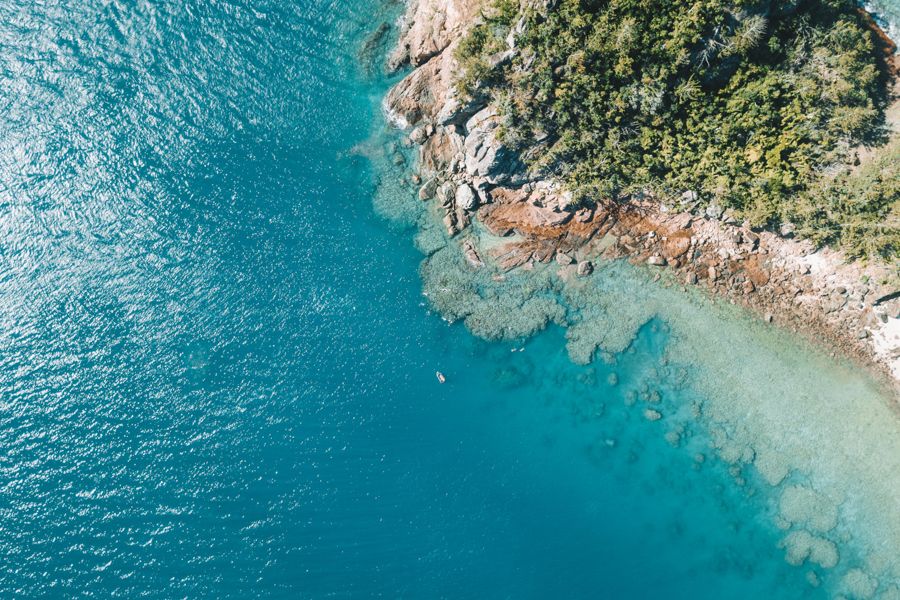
{"x": 440, "y": 377}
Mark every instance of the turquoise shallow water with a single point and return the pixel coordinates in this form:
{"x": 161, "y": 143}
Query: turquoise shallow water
{"x": 217, "y": 371}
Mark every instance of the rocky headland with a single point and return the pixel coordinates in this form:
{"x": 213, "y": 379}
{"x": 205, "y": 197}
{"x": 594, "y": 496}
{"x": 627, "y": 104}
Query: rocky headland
{"x": 505, "y": 218}
{"x": 510, "y": 250}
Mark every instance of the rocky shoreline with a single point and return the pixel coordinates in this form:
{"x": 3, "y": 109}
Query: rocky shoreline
{"x": 504, "y": 219}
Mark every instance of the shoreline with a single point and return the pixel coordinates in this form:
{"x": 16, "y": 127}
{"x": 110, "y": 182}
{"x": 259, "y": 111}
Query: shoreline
{"x": 846, "y": 307}
{"x": 753, "y": 325}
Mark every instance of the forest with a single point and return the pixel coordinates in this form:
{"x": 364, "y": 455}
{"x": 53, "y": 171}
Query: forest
{"x": 761, "y": 107}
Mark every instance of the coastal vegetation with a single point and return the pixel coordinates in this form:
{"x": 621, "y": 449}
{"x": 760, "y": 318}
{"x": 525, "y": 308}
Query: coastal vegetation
{"x": 757, "y": 106}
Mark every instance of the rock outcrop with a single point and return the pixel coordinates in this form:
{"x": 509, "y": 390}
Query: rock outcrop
{"x": 429, "y": 27}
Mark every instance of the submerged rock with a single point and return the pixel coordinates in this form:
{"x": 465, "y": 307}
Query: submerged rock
{"x": 858, "y": 584}
{"x": 471, "y": 254}
{"x": 673, "y": 438}
{"x": 773, "y": 466}
{"x": 804, "y": 506}
{"x": 631, "y": 398}
{"x": 801, "y": 546}
{"x": 652, "y": 415}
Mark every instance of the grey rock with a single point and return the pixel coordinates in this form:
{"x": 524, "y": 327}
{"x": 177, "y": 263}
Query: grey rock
{"x": 564, "y": 259}
{"x": 427, "y": 191}
{"x": 500, "y": 58}
{"x": 484, "y": 196}
{"x": 585, "y": 268}
{"x": 418, "y": 135}
{"x": 466, "y": 198}
{"x": 455, "y": 110}
{"x": 515, "y": 32}
{"x": 445, "y": 194}
{"x": 689, "y": 197}
{"x": 483, "y": 189}
{"x": 471, "y": 255}
{"x": 787, "y": 230}
{"x": 714, "y": 211}
{"x": 479, "y": 119}
{"x": 485, "y": 156}
{"x": 835, "y": 304}
{"x": 656, "y": 261}
{"x": 751, "y": 238}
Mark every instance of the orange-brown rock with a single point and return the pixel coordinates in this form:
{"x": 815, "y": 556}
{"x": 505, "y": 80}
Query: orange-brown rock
{"x": 525, "y": 218}
{"x": 756, "y": 272}
{"x": 677, "y": 244}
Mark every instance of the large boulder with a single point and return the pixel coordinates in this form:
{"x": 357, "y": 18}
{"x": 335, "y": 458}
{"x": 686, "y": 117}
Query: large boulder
{"x": 585, "y": 268}
{"x": 485, "y": 155}
{"x": 677, "y": 245}
{"x": 427, "y": 191}
{"x": 439, "y": 151}
{"x": 421, "y": 95}
{"x": 446, "y": 194}
{"x": 466, "y": 199}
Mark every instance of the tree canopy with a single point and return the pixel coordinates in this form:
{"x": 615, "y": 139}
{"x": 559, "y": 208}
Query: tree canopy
{"x": 755, "y": 105}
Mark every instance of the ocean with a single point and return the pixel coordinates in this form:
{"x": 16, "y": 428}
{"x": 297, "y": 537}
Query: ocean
{"x": 218, "y": 370}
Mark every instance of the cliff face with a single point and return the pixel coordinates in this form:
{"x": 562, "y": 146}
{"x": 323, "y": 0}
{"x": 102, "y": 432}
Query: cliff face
{"x": 528, "y": 218}
{"x": 429, "y": 27}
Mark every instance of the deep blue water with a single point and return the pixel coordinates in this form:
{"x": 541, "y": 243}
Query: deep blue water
{"x": 217, "y": 373}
